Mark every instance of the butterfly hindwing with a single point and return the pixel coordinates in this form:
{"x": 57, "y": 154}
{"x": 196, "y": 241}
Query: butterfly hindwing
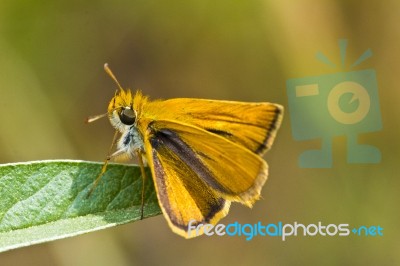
{"x": 252, "y": 125}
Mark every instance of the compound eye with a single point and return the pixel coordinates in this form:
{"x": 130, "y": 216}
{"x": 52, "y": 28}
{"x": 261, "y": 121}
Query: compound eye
{"x": 127, "y": 117}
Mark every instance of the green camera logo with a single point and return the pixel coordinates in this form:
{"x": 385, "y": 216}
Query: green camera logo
{"x": 326, "y": 106}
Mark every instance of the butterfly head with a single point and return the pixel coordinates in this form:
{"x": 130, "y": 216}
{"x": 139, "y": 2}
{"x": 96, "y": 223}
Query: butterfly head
{"x": 121, "y": 110}
{"x": 124, "y": 108}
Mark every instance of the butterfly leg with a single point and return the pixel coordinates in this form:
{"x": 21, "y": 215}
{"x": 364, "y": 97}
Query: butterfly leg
{"x": 139, "y": 155}
{"x": 104, "y": 167}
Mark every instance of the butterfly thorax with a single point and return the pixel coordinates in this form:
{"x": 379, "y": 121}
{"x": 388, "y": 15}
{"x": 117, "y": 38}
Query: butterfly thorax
{"x": 124, "y": 112}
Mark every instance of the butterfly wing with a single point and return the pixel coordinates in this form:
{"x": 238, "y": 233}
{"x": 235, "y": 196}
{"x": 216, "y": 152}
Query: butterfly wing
{"x": 183, "y": 196}
{"x": 252, "y": 125}
{"x": 198, "y": 173}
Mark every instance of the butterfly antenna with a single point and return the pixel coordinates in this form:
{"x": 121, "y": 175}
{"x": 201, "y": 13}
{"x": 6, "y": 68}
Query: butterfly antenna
{"x": 109, "y": 72}
{"x": 93, "y": 118}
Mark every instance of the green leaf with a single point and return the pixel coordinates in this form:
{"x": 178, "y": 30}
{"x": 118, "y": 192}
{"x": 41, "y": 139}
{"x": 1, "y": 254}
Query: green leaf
{"x": 48, "y": 200}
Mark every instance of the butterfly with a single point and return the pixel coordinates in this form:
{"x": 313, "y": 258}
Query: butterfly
{"x": 203, "y": 154}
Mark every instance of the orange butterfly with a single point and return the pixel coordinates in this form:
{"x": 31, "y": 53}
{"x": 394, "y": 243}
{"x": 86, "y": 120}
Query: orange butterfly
{"x": 203, "y": 154}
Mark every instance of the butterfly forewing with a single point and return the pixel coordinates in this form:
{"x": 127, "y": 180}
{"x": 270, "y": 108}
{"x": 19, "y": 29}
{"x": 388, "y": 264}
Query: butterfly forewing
{"x": 183, "y": 196}
{"x": 196, "y": 171}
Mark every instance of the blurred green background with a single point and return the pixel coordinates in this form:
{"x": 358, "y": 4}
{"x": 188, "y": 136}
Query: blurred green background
{"x": 51, "y": 78}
